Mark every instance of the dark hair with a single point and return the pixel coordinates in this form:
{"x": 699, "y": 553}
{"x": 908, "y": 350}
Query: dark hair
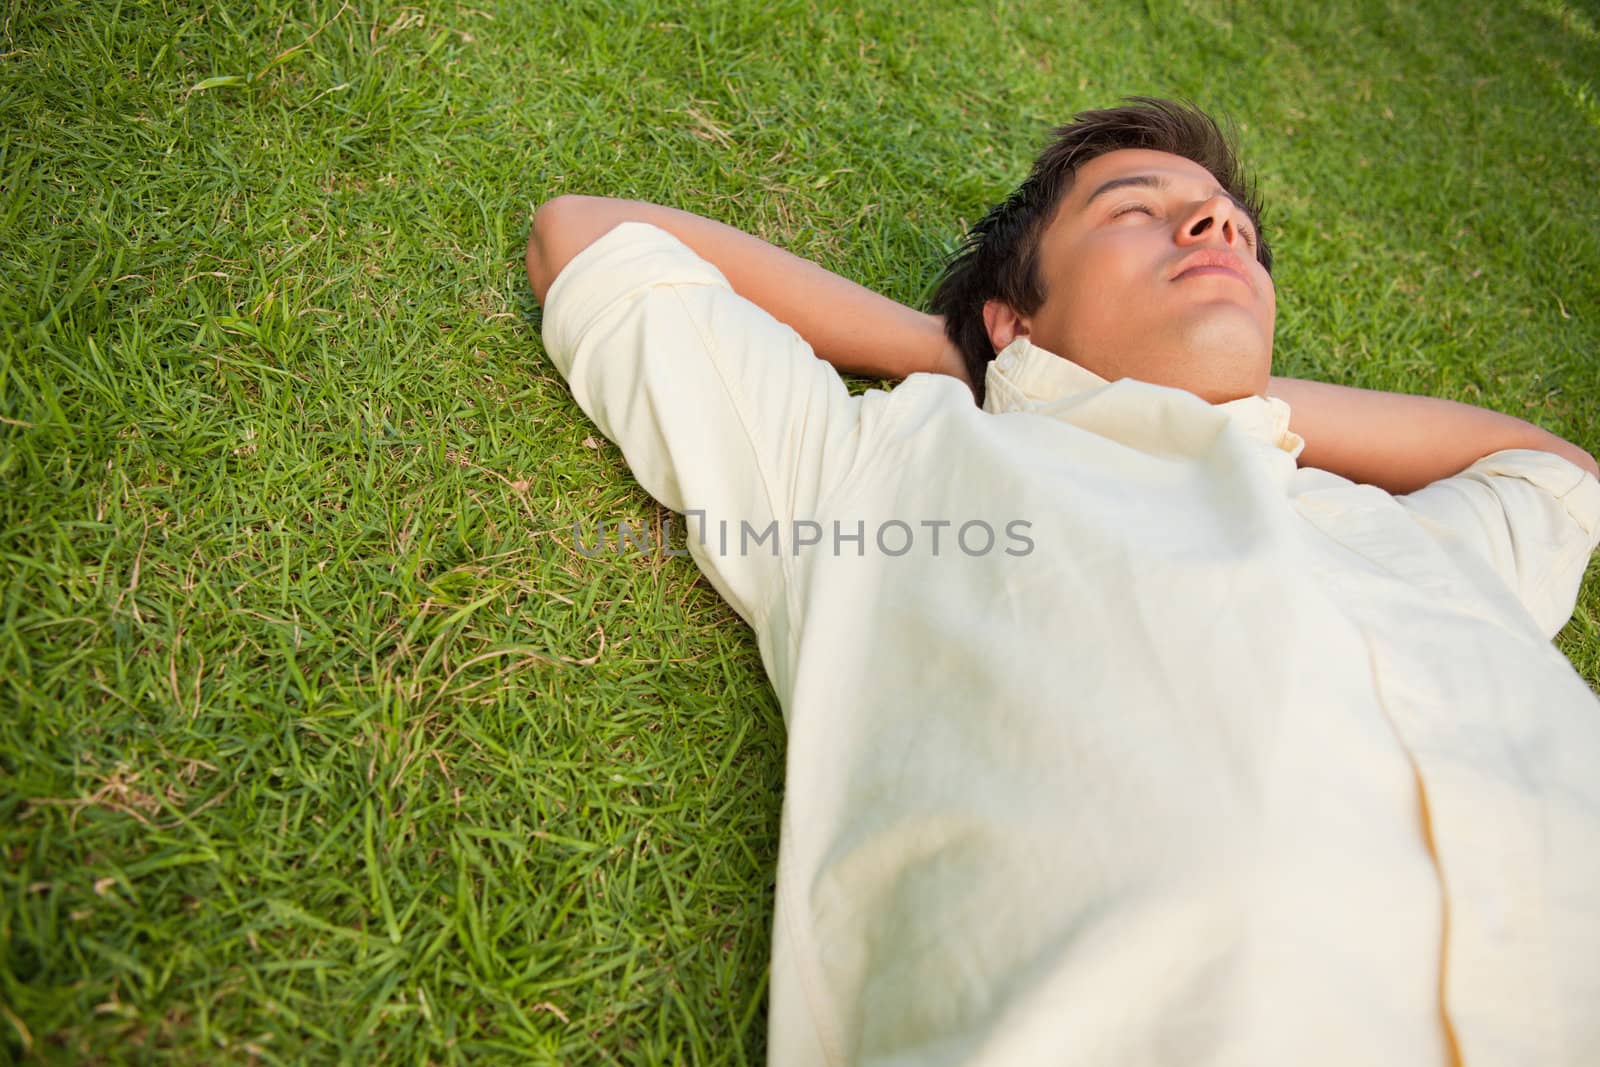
{"x": 998, "y": 258}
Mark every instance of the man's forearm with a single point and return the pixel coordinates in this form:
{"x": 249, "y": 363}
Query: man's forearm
{"x": 1401, "y": 443}
{"x": 850, "y": 326}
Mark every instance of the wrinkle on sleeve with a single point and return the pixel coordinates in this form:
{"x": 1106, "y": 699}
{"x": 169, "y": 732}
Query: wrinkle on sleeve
{"x": 719, "y": 408}
{"x": 1532, "y": 516}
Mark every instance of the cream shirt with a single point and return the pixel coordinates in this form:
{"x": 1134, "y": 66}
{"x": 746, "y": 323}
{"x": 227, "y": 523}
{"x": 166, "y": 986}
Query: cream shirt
{"x": 1199, "y": 758}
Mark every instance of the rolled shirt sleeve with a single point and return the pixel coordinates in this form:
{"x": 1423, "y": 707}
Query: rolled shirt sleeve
{"x": 719, "y": 408}
{"x": 1532, "y": 516}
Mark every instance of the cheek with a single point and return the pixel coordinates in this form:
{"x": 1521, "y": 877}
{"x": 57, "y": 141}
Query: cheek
{"x": 1117, "y": 277}
{"x": 1087, "y": 297}
{"x": 1074, "y": 297}
{"x": 1062, "y": 320}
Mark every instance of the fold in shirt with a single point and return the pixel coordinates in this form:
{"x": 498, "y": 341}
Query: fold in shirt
{"x": 1114, "y": 736}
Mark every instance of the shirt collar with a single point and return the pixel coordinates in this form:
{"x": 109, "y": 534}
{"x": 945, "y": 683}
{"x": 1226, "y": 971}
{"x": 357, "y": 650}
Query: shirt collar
{"x": 1024, "y": 377}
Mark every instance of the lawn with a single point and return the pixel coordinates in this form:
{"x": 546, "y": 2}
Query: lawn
{"x": 320, "y": 740}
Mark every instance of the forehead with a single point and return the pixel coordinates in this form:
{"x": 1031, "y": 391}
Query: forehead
{"x": 1130, "y": 162}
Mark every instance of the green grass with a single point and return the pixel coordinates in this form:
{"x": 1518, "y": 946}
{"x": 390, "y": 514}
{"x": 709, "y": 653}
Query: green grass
{"x": 319, "y": 742}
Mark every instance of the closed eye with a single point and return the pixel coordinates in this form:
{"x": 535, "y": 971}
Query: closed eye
{"x": 1246, "y": 230}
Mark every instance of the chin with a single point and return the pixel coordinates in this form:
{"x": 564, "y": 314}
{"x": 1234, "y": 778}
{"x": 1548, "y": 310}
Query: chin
{"x": 1221, "y": 395}
{"x": 1227, "y": 356}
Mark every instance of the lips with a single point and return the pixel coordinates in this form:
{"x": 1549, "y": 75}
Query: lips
{"x": 1205, "y": 261}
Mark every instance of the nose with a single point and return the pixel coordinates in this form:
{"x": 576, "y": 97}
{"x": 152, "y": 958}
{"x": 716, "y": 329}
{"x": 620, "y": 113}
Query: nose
{"x": 1214, "y": 220}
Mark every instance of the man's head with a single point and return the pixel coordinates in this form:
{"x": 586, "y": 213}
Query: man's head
{"x": 1134, "y": 249}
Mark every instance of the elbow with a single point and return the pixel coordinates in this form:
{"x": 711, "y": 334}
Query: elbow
{"x": 541, "y": 242}
{"x": 537, "y": 272}
{"x": 550, "y": 241}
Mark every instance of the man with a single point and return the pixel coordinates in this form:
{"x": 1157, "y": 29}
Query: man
{"x": 1131, "y": 719}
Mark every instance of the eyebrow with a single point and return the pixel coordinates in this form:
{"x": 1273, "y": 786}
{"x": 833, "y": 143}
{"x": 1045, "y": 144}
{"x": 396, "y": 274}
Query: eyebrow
{"x": 1155, "y": 181}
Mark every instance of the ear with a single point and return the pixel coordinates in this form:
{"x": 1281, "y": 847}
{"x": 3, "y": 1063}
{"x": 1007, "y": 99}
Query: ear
{"x": 1003, "y": 324}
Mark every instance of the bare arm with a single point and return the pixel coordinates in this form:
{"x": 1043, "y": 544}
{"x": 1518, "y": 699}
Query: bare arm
{"x": 1401, "y": 443}
{"x": 847, "y": 325}
{"x": 1397, "y": 442}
